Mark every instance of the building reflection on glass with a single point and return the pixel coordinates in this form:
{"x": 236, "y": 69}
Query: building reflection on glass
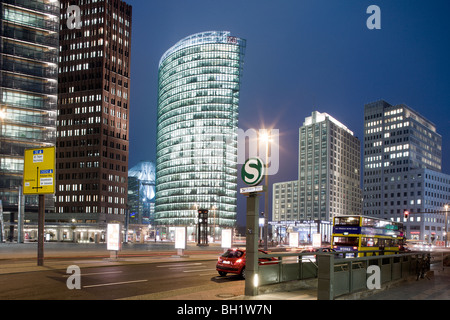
{"x": 141, "y": 193}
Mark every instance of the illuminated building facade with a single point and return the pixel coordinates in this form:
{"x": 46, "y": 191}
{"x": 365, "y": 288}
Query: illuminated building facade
{"x": 402, "y": 170}
{"x": 28, "y": 92}
{"x": 198, "y": 108}
{"x": 329, "y": 169}
{"x": 329, "y": 179}
{"x": 93, "y": 112}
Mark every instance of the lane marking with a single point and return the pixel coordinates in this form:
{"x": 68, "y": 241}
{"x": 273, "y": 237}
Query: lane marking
{"x": 198, "y": 270}
{"x": 113, "y": 284}
{"x": 180, "y": 265}
{"x": 93, "y": 274}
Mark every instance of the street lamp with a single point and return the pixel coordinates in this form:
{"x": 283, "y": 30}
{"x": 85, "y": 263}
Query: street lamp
{"x": 265, "y": 137}
{"x": 214, "y": 223}
{"x": 446, "y": 224}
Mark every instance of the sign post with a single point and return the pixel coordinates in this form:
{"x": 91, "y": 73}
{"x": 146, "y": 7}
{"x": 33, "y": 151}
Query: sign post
{"x": 252, "y": 174}
{"x": 39, "y": 179}
{"x": 2, "y": 224}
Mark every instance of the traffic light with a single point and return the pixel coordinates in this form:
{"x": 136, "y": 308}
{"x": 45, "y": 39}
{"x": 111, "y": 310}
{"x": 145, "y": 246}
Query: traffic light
{"x": 406, "y": 214}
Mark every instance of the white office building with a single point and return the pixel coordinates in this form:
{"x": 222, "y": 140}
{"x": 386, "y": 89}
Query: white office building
{"x": 402, "y": 170}
{"x": 328, "y": 183}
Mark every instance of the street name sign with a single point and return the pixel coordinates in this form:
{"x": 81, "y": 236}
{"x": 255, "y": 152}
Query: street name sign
{"x": 248, "y": 190}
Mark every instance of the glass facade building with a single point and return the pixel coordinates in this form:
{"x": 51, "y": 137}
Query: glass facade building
{"x": 198, "y": 107}
{"x": 28, "y": 90}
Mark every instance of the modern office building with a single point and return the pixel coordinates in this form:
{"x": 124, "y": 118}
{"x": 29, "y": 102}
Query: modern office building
{"x": 28, "y": 93}
{"x": 402, "y": 170}
{"x": 329, "y": 169}
{"x": 93, "y": 112}
{"x": 285, "y": 201}
{"x": 329, "y": 178}
{"x": 198, "y": 108}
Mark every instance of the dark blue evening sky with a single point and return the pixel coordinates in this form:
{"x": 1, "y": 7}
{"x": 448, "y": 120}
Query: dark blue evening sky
{"x": 302, "y": 56}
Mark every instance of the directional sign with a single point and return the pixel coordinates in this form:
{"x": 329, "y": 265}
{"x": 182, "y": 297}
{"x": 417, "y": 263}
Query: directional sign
{"x": 253, "y": 171}
{"x": 39, "y": 171}
{"x": 248, "y": 190}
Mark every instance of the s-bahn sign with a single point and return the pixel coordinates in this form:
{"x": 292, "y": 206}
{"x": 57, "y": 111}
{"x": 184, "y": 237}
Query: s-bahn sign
{"x": 252, "y": 171}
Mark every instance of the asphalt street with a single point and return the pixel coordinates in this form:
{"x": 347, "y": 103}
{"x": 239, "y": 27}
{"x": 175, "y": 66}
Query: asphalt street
{"x": 112, "y": 282}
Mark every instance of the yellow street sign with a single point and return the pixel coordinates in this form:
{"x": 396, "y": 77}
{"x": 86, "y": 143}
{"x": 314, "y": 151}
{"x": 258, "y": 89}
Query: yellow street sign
{"x": 39, "y": 171}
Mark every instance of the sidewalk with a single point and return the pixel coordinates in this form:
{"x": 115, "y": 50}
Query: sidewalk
{"x": 436, "y": 287}
{"x": 22, "y": 258}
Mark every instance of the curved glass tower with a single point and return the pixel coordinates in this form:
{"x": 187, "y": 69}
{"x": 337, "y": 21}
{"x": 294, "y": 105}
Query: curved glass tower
{"x": 198, "y": 107}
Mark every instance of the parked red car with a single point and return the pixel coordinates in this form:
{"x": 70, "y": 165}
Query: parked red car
{"x": 233, "y": 261}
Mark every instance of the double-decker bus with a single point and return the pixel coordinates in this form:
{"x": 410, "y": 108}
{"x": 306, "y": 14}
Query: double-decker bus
{"x": 360, "y": 233}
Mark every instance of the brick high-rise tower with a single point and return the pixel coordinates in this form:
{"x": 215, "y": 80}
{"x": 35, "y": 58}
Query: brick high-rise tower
{"x": 93, "y": 111}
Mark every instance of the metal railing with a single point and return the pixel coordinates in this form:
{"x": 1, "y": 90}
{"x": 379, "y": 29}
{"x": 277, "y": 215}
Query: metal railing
{"x": 338, "y": 275}
{"x": 287, "y": 267}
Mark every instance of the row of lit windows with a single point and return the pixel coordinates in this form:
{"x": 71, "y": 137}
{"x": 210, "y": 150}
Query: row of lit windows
{"x": 213, "y": 92}
{"x": 196, "y": 51}
{"x": 203, "y": 158}
{"x": 28, "y": 116}
{"x": 199, "y": 61}
{"x": 201, "y": 56}
{"x": 165, "y": 132}
{"x": 224, "y": 81}
{"x": 215, "y": 124}
{"x": 167, "y": 168}
{"x": 181, "y": 86}
{"x": 190, "y": 147}
{"x": 189, "y": 186}
{"x": 204, "y": 74}
{"x": 222, "y": 209}
{"x": 198, "y": 109}
{"x": 200, "y": 102}
{"x": 33, "y": 19}
{"x": 80, "y": 56}
{"x": 198, "y": 138}
{"x": 198, "y": 67}
{"x": 174, "y": 200}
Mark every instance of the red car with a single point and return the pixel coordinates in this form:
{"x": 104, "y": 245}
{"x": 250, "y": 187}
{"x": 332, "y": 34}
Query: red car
{"x": 233, "y": 261}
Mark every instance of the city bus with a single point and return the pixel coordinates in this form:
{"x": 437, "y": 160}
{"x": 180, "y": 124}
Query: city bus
{"x": 361, "y": 233}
